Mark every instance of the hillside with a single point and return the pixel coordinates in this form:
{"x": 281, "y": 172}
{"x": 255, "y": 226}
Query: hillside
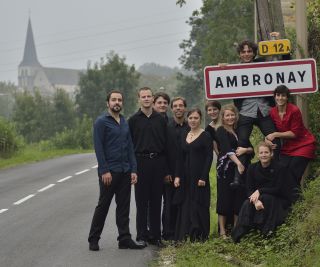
{"x": 157, "y": 76}
{"x": 295, "y": 243}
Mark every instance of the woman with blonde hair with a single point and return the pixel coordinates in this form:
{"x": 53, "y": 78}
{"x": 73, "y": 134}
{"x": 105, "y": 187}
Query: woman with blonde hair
{"x": 268, "y": 201}
{"x": 229, "y": 200}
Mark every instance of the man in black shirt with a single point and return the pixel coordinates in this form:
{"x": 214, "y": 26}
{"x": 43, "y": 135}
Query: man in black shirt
{"x": 149, "y": 135}
{"x": 176, "y": 127}
{"x": 160, "y": 104}
{"x": 117, "y": 170}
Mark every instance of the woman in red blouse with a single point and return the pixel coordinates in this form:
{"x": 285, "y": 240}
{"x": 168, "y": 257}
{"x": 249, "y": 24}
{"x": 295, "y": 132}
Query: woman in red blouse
{"x": 298, "y": 144}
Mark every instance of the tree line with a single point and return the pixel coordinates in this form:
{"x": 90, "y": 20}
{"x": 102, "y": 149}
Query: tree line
{"x": 215, "y": 28}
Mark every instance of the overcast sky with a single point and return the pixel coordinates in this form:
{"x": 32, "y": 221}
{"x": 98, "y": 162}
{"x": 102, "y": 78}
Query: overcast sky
{"x": 69, "y": 33}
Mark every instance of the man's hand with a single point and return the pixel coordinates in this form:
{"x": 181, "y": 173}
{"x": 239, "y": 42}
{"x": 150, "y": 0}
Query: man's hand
{"x": 201, "y": 183}
{"x": 270, "y": 137}
{"x": 168, "y": 179}
{"x": 176, "y": 182}
{"x": 254, "y": 197}
{"x": 223, "y": 64}
{"x": 107, "y": 178}
{"x": 134, "y": 178}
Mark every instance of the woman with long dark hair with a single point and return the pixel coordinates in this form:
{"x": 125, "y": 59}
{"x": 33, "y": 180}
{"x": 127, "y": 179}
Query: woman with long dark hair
{"x": 298, "y": 143}
{"x": 192, "y": 181}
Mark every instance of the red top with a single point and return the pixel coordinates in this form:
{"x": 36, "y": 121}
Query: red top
{"x": 304, "y": 144}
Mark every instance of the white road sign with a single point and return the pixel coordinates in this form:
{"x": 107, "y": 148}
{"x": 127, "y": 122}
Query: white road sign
{"x": 260, "y": 79}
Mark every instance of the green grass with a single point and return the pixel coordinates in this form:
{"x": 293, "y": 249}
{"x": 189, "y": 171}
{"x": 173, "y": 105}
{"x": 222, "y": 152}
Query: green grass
{"x": 295, "y": 243}
{"x": 34, "y": 153}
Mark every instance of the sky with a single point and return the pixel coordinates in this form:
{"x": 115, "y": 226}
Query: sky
{"x": 70, "y": 33}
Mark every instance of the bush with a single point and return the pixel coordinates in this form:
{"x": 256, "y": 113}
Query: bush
{"x": 80, "y": 137}
{"x": 10, "y": 142}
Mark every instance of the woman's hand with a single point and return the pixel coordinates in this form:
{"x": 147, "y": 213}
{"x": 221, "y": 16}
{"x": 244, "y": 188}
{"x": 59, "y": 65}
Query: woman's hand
{"x": 254, "y": 197}
{"x": 240, "y": 167}
{"x": 241, "y": 150}
{"x": 176, "y": 182}
{"x": 270, "y": 137}
{"x": 259, "y": 205}
{"x": 201, "y": 183}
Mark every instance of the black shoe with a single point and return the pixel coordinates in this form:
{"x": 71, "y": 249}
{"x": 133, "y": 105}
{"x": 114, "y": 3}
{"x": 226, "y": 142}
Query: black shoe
{"x": 129, "y": 243}
{"x": 157, "y": 242}
{"x": 93, "y": 246}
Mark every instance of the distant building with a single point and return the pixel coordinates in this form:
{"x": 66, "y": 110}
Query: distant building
{"x": 32, "y": 75}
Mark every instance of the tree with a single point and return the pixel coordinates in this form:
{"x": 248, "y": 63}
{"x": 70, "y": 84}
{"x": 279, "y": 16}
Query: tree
{"x": 101, "y": 79}
{"x": 7, "y": 91}
{"x": 313, "y": 13}
{"x": 33, "y": 116}
{"x": 216, "y": 27}
{"x": 63, "y": 111}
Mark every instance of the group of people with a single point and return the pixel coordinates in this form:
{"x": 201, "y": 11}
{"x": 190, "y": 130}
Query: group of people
{"x": 169, "y": 159}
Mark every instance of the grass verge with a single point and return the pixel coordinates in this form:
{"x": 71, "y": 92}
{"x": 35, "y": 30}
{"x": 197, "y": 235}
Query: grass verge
{"x": 34, "y": 153}
{"x": 295, "y": 243}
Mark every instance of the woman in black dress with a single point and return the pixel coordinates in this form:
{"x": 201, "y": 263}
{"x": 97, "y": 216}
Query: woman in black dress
{"x": 192, "y": 182}
{"x": 213, "y": 109}
{"x": 267, "y": 203}
{"x": 229, "y": 200}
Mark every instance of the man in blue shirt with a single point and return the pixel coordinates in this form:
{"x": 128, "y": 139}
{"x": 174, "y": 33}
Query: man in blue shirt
{"x": 117, "y": 170}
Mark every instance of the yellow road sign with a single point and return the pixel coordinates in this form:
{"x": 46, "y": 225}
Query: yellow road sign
{"x": 274, "y": 47}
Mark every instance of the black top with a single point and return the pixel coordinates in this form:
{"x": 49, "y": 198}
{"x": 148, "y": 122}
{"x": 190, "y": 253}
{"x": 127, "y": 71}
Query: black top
{"x": 212, "y": 132}
{"x": 113, "y": 145}
{"x": 195, "y": 158}
{"x": 175, "y": 133}
{"x": 227, "y": 142}
{"x": 268, "y": 180}
{"x": 149, "y": 134}
{"x": 227, "y": 145}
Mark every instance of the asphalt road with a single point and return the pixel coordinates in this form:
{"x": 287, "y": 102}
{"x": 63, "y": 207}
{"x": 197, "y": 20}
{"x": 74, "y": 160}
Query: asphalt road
{"x": 45, "y": 214}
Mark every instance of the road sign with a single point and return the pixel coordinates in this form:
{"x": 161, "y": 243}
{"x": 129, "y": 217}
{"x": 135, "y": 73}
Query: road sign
{"x": 260, "y": 79}
{"x": 274, "y": 47}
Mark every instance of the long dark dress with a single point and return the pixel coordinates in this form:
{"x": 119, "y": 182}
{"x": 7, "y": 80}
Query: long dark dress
{"x": 270, "y": 181}
{"x": 194, "y": 162}
{"x": 229, "y": 200}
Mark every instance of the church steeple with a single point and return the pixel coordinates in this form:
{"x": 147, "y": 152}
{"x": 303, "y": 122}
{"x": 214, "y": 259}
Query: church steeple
{"x": 30, "y": 55}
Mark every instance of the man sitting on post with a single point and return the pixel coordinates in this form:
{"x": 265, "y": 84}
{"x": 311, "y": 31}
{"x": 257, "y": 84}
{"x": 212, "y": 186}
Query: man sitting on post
{"x": 253, "y": 111}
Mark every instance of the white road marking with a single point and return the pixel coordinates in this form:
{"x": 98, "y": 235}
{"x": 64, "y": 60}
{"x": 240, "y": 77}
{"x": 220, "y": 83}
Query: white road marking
{"x": 23, "y": 200}
{"x": 3, "y": 210}
{"x": 94, "y": 167}
{"x": 77, "y": 173}
{"x": 64, "y": 179}
{"x": 45, "y": 188}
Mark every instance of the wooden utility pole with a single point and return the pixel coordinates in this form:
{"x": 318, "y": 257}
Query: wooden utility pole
{"x": 270, "y": 18}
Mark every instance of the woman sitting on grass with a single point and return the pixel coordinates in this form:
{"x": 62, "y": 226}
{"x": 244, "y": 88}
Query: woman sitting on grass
{"x": 267, "y": 203}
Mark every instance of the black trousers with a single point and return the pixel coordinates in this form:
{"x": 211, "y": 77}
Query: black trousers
{"x": 169, "y": 212}
{"x": 244, "y": 130}
{"x": 148, "y": 193}
{"x": 296, "y": 167}
{"x": 121, "y": 187}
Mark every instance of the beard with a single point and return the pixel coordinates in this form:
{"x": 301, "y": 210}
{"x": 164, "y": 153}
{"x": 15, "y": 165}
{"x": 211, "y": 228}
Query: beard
{"x": 116, "y": 108}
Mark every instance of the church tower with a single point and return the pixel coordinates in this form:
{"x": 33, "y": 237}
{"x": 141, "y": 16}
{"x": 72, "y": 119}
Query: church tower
{"x": 29, "y": 65}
